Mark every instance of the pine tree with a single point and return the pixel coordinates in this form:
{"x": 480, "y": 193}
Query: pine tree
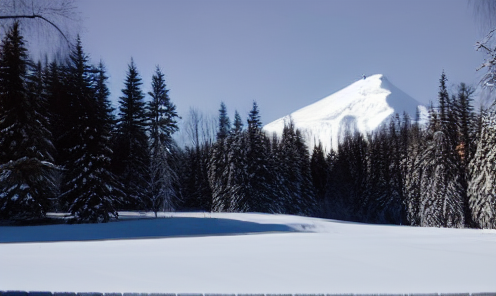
{"x": 482, "y": 181}
{"x": 219, "y": 163}
{"x": 162, "y": 115}
{"x": 26, "y": 165}
{"x": 90, "y": 190}
{"x": 131, "y": 154}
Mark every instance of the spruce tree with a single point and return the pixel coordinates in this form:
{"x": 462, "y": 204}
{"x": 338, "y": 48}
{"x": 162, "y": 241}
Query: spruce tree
{"x": 90, "y": 190}
{"x": 131, "y": 154}
{"x": 224, "y": 127}
{"x": 238, "y": 123}
{"x": 26, "y": 165}
{"x": 163, "y": 123}
{"x": 219, "y": 163}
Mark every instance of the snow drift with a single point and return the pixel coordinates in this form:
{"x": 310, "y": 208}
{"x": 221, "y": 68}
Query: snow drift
{"x": 247, "y": 253}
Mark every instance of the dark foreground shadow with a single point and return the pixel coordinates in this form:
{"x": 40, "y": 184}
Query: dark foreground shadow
{"x": 136, "y": 229}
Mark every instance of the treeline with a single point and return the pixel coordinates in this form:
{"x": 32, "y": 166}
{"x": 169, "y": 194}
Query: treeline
{"x": 63, "y": 148}
{"x": 245, "y": 171}
{"x": 440, "y": 174}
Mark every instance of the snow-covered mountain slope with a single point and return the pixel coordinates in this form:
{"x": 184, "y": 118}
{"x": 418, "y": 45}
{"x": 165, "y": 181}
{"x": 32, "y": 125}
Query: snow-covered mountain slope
{"x": 364, "y": 104}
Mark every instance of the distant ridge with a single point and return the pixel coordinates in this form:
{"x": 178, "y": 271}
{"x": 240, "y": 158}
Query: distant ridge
{"x": 365, "y": 104}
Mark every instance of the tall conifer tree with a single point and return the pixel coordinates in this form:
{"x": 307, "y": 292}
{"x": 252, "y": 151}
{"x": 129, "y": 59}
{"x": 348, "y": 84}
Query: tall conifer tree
{"x": 162, "y": 124}
{"x": 26, "y": 169}
{"x": 90, "y": 190}
{"x": 219, "y": 163}
{"x": 131, "y": 154}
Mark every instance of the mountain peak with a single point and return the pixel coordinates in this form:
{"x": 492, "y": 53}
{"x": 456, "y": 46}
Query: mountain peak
{"x": 364, "y": 105}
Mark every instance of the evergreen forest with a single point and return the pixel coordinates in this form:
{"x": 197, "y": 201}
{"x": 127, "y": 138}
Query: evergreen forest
{"x": 64, "y": 148}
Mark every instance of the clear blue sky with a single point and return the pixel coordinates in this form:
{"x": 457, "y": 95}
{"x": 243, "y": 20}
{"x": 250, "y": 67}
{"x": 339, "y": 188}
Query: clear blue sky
{"x": 285, "y": 54}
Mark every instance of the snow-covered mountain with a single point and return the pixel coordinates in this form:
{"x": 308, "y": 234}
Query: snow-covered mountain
{"x": 365, "y": 104}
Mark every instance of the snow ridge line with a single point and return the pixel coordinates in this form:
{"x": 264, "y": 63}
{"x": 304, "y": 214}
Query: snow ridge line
{"x": 23, "y": 293}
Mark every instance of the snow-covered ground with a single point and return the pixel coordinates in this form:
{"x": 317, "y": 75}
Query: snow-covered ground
{"x": 245, "y": 253}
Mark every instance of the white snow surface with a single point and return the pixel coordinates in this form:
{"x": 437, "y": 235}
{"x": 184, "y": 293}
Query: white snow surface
{"x": 245, "y": 253}
{"x": 365, "y": 104}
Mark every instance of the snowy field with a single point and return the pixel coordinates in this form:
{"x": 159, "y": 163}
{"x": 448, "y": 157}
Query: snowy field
{"x": 245, "y": 253}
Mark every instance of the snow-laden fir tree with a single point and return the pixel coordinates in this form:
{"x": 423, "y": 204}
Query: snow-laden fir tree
{"x": 26, "y": 170}
{"x": 465, "y": 121}
{"x": 464, "y": 141}
{"x": 250, "y": 181}
{"x": 441, "y": 187}
{"x": 413, "y": 174}
{"x": 482, "y": 172}
{"x": 235, "y": 174}
{"x": 441, "y": 190}
{"x": 131, "y": 154}
{"x": 163, "y": 123}
{"x": 90, "y": 189}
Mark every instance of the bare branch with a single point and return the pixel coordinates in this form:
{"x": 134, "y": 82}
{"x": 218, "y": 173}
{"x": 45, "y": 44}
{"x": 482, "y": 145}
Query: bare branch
{"x": 33, "y": 16}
